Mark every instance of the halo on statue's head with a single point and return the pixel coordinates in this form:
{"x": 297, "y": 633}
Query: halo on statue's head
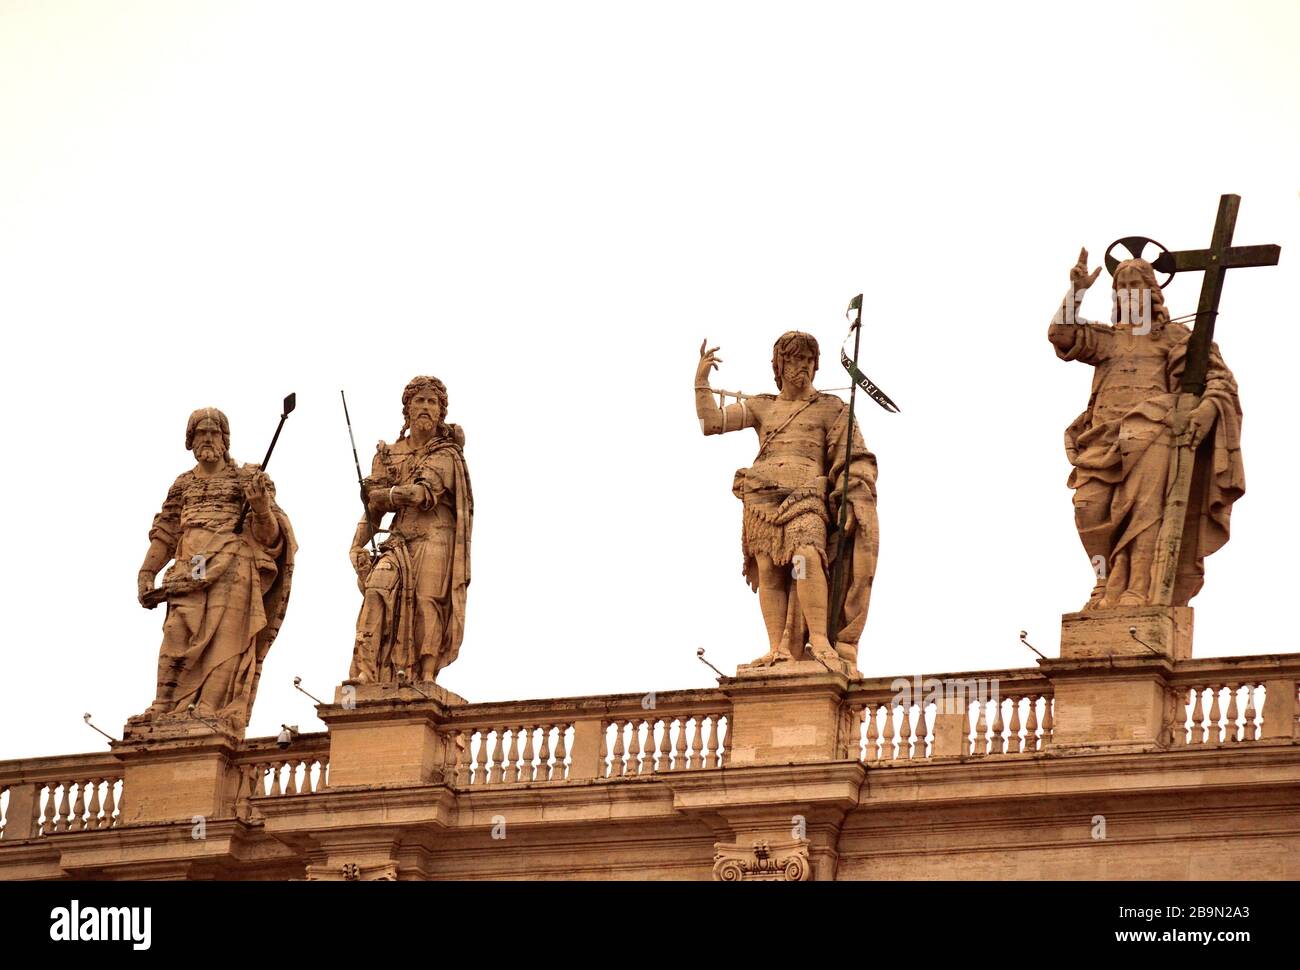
{"x": 1136, "y": 246}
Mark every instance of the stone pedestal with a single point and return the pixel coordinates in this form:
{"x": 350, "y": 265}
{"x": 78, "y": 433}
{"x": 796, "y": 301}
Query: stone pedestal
{"x": 1138, "y": 631}
{"x": 787, "y": 713}
{"x": 387, "y": 734}
{"x": 178, "y": 779}
{"x": 1115, "y": 703}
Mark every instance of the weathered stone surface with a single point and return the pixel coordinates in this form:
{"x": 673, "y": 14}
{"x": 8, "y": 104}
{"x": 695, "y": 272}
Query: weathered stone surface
{"x": 415, "y": 582}
{"x": 793, "y": 496}
{"x": 231, "y": 551}
{"x": 1136, "y": 631}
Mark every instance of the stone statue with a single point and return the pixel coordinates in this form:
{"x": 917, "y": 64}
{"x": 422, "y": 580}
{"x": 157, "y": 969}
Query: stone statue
{"x": 226, "y": 592}
{"x": 1120, "y": 446}
{"x": 792, "y": 497}
{"x": 413, "y": 594}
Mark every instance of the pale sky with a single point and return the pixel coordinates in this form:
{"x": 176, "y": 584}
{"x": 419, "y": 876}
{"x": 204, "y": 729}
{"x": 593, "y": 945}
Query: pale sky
{"x": 549, "y": 206}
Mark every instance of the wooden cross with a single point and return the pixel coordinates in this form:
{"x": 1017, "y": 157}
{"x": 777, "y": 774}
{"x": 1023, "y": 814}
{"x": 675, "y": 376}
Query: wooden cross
{"x": 1215, "y": 262}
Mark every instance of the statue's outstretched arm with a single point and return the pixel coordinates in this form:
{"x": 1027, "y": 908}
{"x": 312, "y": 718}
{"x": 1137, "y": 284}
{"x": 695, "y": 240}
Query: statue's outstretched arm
{"x": 715, "y": 419}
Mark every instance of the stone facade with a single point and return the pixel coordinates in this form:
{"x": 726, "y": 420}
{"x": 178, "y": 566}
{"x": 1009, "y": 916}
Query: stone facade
{"x": 1131, "y": 765}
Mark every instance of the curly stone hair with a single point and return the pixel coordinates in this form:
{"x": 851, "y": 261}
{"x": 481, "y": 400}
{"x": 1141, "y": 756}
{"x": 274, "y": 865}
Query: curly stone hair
{"x": 222, "y": 422}
{"x": 423, "y": 384}
{"x": 792, "y": 342}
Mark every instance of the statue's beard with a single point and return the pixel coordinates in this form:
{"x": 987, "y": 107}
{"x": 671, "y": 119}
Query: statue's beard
{"x": 207, "y": 453}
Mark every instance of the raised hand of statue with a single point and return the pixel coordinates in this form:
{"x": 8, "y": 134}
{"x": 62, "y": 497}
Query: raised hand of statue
{"x": 708, "y": 362}
{"x": 257, "y": 490}
{"x": 1080, "y": 278}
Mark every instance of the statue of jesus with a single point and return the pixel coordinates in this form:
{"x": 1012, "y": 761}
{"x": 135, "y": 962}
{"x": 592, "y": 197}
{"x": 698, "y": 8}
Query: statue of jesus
{"x": 1120, "y": 445}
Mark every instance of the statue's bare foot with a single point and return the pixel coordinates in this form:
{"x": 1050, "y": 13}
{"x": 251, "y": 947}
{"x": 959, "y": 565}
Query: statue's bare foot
{"x": 823, "y": 651}
{"x": 1130, "y": 598}
{"x": 848, "y": 654}
{"x": 773, "y": 657}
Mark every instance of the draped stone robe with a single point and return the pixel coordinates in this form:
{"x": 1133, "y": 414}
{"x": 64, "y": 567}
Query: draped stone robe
{"x": 227, "y": 592}
{"x": 1122, "y": 439}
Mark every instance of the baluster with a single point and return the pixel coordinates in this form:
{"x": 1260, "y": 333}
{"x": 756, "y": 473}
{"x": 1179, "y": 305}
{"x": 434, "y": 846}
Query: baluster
{"x": 1251, "y": 729}
{"x": 108, "y": 820}
{"x": 635, "y": 748}
{"x": 510, "y": 755}
{"x": 711, "y": 755}
{"x": 526, "y": 770}
{"x": 1213, "y": 736}
{"x": 465, "y": 759}
{"x": 981, "y": 728}
{"x": 903, "y": 720}
{"x": 869, "y": 753}
{"x": 479, "y": 759}
{"x": 87, "y": 816}
{"x": 498, "y": 756}
{"x": 887, "y": 728}
{"x": 275, "y": 779}
{"x": 617, "y": 767}
{"x": 997, "y": 745}
{"x": 724, "y": 739}
{"x": 515, "y": 769}
{"x": 78, "y": 806}
{"x": 61, "y": 820}
{"x": 656, "y": 747}
{"x": 1231, "y": 735}
{"x": 93, "y": 808}
{"x": 1014, "y": 743}
{"x": 922, "y": 728}
{"x": 544, "y": 755}
{"x": 37, "y": 826}
{"x": 561, "y": 752}
{"x": 1048, "y": 721}
{"x": 1031, "y": 724}
{"x": 607, "y": 752}
{"x": 1197, "y": 717}
{"x": 679, "y": 746}
{"x": 648, "y": 748}
{"x": 856, "y": 725}
{"x": 696, "y": 745}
